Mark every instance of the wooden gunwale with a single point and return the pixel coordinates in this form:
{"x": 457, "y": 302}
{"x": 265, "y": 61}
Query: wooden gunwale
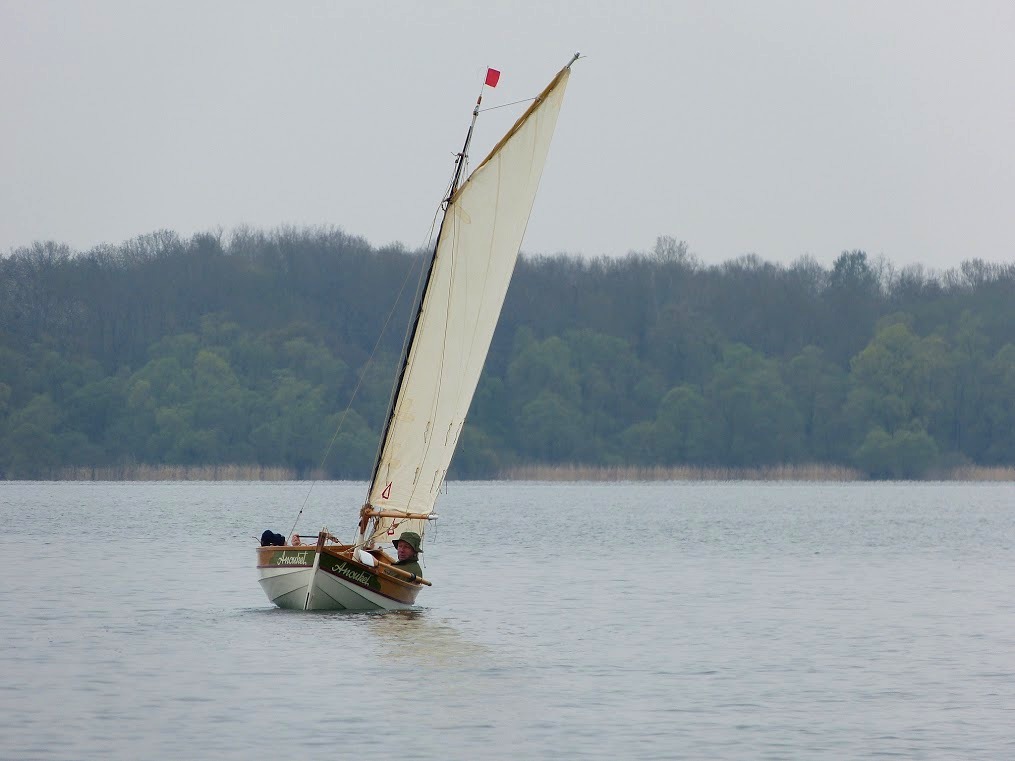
{"x": 384, "y": 566}
{"x": 265, "y": 551}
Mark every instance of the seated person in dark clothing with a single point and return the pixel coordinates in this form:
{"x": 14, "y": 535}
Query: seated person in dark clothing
{"x": 270, "y": 539}
{"x": 408, "y": 549}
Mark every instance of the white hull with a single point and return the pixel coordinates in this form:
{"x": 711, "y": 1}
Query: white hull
{"x": 289, "y": 588}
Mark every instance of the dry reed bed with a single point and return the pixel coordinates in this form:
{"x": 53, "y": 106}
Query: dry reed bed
{"x": 570, "y": 472}
{"x": 803, "y": 472}
{"x": 976, "y": 473}
{"x": 182, "y": 473}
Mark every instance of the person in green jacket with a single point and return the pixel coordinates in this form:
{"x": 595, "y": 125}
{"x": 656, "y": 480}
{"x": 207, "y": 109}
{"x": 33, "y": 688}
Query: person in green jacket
{"x": 407, "y": 546}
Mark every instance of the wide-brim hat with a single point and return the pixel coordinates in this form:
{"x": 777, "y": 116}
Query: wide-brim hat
{"x": 411, "y": 538}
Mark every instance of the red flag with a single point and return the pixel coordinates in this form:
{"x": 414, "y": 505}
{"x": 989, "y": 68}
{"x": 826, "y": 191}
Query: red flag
{"x": 492, "y": 77}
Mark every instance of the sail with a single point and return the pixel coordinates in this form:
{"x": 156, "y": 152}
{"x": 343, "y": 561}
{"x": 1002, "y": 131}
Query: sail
{"x": 473, "y": 261}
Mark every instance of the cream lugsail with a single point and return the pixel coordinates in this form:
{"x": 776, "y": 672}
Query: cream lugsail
{"x": 473, "y": 261}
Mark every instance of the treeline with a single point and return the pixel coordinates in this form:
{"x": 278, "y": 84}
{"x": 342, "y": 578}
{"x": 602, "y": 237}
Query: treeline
{"x": 257, "y": 347}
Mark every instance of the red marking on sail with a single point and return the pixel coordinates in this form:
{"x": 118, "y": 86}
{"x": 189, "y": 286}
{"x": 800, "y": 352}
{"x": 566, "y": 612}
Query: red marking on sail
{"x": 386, "y": 494}
{"x": 492, "y": 77}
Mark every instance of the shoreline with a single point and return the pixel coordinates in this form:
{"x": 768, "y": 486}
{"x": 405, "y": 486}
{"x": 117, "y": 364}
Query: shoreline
{"x": 556, "y": 473}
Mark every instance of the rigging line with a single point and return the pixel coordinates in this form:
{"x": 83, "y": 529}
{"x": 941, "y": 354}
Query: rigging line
{"x": 515, "y": 103}
{"x": 463, "y": 159}
{"x": 440, "y": 371}
{"x": 404, "y": 369}
{"x": 359, "y": 383}
{"x": 405, "y": 340}
{"x": 403, "y": 352}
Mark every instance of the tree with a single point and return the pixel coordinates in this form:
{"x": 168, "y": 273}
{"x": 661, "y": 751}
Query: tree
{"x": 31, "y": 448}
{"x": 903, "y": 454}
{"x": 818, "y": 390}
{"x": 477, "y": 455}
{"x": 753, "y": 421}
{"x": 681, "y": 428}
{"x": 852, "y": 301}
{"x": 998, "y": 421}
{"x": 609, "y": 377}
{"x": 543, "y": 382}
{"x": 240, "y": 348}
{"x": 550, "y": 427}
{"x": 684, "y": 344}
{"x": 966, "y": 404}
{"x": 490, "y": 411}
{"x": 5, "y": 400}
{"x": 668, "y": 250}
{"x": 94, "y": 408}
{"x": 900, "y": 381}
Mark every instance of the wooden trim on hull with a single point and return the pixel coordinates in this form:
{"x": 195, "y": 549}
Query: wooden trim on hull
{"x": 371, "y": 588}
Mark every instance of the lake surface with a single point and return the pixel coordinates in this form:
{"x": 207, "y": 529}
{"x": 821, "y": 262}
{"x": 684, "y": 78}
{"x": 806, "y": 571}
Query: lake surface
{"x": 656, "y": 620}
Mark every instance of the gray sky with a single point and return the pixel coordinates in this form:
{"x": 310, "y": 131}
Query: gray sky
{"x": 779, "y": 128}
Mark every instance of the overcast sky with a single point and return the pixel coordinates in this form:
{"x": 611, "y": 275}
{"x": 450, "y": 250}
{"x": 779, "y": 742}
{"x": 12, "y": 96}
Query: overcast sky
{"x": 778, "y": 128}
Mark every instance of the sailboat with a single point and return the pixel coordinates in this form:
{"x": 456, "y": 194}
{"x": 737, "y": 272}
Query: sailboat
{"x": 467, "y": 279}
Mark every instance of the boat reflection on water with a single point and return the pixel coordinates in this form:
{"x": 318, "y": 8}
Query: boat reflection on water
{"x": 421, "y": 637}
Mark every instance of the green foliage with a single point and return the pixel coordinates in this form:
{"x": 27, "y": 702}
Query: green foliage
{"x": 610, "y": 381}
{"x": 543, "y": 366}
{"x": 5, "y": 400}
{"x": 640, "y": 443}
{"x": 31, "y": 448}
{"x": 903, "y": 454}
{"x": 249, "y": 348}
{"x": 683, "y": 344}
{"x": 551, "y": 428}
{"x": 997, "y": 424}
{"x": 478, "y": 455}
{"x": 753, "y": 419}
{"x": 818, "y": 388}
{"x": 682, "y": 430}
{"x": 900, "y": 380}
{"x": 355, "y": 445}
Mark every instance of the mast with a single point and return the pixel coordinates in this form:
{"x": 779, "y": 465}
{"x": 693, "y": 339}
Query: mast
{"x": 393, "y": 401}
{"x": 465, "y": 284}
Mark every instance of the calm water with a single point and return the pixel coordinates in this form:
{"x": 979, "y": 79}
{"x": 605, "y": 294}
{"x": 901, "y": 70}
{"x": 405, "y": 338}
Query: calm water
{"x": 698, "y": 621}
